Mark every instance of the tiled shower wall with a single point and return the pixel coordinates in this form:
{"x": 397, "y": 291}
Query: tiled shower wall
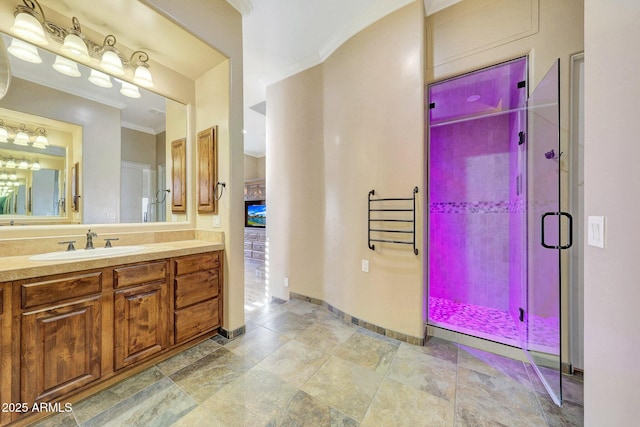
{"x": 470, "y": 212}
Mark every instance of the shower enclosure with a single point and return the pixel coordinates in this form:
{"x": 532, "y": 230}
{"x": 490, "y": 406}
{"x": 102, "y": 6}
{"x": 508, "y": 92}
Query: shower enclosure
{"x": 494, "y": 217}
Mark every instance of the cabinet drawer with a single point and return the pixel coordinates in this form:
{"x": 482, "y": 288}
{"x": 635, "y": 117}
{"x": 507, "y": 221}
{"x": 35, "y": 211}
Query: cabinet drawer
{"x": 247, "y": 245}
{"x": 60, "y": 289}
{"x": 199, "y": 262}
{"x": 197, "y": 319}
{"x": 137, "y": 274}
{"x": 258, "y": 246}
{"x": 196, "y": 287}
{"x": 247, "y": 253}
{"x": 258, "y": 255}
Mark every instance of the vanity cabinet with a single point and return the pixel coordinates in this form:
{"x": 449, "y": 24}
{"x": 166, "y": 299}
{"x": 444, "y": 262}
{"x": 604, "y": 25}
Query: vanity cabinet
{"x": 197, "y": 295}
{"x": 6, "y": 361}
{"x": 60, "y": 334}
{"x": 65, "y": 333}
{"x": 140, "y": 311}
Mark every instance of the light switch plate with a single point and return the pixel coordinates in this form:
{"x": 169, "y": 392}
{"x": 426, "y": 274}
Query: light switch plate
{"x": 595, "y": 231}
{"x": 216, "y": 221}
{"x": 365, "y": 265}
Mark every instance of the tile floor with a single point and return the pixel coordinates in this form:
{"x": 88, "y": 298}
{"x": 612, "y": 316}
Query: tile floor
{"x": 300, "y": 365}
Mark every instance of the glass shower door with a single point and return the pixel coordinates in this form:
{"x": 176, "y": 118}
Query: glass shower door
{"x": 541, "y": 333}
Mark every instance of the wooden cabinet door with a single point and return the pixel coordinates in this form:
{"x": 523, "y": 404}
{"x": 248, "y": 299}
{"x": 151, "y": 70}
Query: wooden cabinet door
{"x": 207, "y": 170}
{"x": 61, "y": 349}
{"x": 179, "y": 175}
{"x": 140, "y": 315}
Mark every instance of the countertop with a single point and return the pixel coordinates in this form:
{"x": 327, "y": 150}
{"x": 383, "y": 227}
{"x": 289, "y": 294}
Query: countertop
{"x": 21, "y": 267}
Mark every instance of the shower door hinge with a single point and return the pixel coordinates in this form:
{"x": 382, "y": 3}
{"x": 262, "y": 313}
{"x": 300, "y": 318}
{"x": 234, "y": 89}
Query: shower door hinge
{"x": 521, "y": 316}
{"x": 522, "y": 84}
{"x": 432, "y": 105}
{"x": 520, "y": 138}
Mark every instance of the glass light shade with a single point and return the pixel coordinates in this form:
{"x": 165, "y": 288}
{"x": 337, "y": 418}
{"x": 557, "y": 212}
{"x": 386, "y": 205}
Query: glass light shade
{"x": 129, "y": 90}
{"x": 25, "y": 51}
{"x": 112, "y": 63}
{"x": 99, "y": 78}
{"x": 29, "y": 28}
{"x": 142, "y": 76}
{"x": 22, "y": 138}
{"x": 11, "y": 164}
{"x": 4, "y": 135}
{"x": 23, "y": 164}
{"x": 75, "y": 46}
{"x": 66, "y": 66}
{"x": 35, "y": 166}
{"x": 13, "y": 176}
{"x": 16, "y": 184}
{"x": 4, "y": 175}
{"x": 41, "y": 141}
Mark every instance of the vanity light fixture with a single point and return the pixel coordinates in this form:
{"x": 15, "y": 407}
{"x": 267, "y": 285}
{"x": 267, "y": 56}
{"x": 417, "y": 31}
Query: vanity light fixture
{"x": 22, "y": 136}
{"x": 13, "y": 177}
{"x": 4, "y": 175}
{"x": 11, "y": 164}
{"x": 23, "y": 164}
{"x": 35, "y": 166}
{"x": 31, "y": 24}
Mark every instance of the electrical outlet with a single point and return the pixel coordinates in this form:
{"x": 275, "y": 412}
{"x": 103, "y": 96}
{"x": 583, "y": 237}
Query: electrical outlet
{"x": 286, "y": 282}
{"x": 365, "y": 265}
{"x": 216, "y": 221}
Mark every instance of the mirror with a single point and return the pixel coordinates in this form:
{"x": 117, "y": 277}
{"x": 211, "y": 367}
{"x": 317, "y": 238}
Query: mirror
{"x": 120, "y": 144}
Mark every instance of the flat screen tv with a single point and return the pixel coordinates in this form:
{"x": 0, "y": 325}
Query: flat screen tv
{"x": 255, "y": 214}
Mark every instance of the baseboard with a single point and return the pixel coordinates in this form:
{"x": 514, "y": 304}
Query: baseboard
{"x": 359, "y": 322}
{"x": 233, "y": 334}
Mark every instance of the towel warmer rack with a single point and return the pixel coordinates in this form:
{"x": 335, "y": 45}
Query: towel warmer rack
{"x": 387, "y": 213}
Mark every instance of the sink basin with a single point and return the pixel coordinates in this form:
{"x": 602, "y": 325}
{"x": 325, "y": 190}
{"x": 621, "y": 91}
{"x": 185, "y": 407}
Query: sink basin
{"x": 86, "y": 253}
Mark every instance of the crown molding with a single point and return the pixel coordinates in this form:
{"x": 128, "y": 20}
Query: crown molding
{"x": 245, "y": 7}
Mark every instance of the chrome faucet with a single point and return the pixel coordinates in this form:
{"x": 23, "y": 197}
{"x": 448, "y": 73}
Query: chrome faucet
{"x": 90, "y": 236}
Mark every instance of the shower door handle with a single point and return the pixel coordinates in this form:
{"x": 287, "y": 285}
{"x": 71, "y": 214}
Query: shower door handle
{"x": 558, "y": 214}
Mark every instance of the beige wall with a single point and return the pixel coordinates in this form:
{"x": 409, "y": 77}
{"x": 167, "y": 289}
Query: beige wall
{"x": 254, "y": 167}
{"x": 334, "y": 132}
{"x": 139, "y": 147}
{"x": 612, "y": 291}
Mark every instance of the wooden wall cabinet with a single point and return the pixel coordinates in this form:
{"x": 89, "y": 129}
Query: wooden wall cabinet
{"x": 207, "y": 170}
{"x": 179, "y": 175}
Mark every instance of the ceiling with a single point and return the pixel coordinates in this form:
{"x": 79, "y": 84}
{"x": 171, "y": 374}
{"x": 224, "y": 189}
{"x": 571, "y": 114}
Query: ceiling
{"x": 284, "y": 37}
